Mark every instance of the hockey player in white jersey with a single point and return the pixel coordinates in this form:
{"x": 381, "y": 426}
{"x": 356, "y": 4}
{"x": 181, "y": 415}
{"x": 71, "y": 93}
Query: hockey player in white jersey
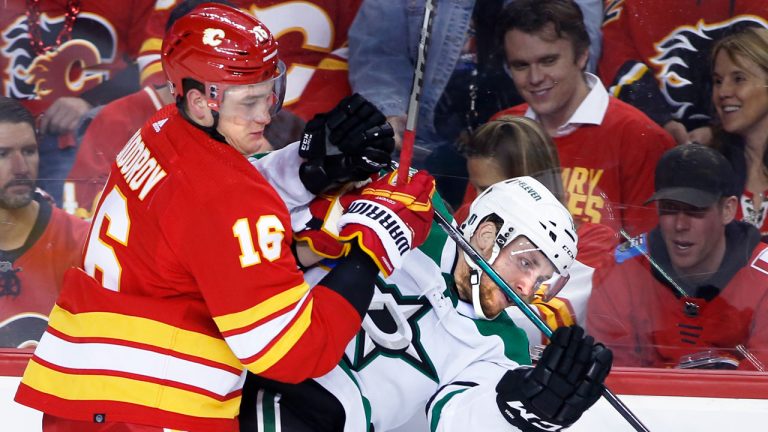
{"x": 435, "y": 339}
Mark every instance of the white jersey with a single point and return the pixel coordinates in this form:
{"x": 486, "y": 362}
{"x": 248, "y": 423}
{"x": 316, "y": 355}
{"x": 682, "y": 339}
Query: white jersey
{"x": 419, "y": 348}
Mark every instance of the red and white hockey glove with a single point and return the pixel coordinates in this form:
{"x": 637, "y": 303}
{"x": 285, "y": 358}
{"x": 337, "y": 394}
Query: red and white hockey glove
{"x": 387, "y": 220}
{"x": 567, "y": 380}
{"x": 322, "y": 233}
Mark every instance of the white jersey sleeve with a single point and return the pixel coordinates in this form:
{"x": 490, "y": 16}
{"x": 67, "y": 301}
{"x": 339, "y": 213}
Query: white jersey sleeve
{"x": 469, "y": 402}
{"x": 281, "y": 169}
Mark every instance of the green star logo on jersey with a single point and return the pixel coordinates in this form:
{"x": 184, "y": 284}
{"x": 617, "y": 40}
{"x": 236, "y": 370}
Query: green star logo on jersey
{"x": 390, "y": 329}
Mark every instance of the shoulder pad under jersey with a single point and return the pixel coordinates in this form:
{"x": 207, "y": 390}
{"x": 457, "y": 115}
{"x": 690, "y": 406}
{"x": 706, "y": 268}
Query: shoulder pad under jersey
{"x": 631, "y": 248}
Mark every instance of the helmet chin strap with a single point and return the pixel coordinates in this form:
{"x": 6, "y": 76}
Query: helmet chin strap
{"x": 474, "y": 280}
{"x": 212, "y": 130}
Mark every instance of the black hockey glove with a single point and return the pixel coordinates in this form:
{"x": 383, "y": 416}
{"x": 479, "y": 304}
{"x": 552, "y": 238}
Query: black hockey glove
{"x": 567, "y": 380}
{"x": 349, "y": 143}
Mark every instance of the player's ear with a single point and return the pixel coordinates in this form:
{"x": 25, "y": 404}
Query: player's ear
{"x": 484, "y": 238}
{"x": 197, "y": 107}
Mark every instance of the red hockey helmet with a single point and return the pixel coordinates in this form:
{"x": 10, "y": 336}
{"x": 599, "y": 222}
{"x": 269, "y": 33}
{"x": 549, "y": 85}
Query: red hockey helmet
{"x": 221, "y": 47}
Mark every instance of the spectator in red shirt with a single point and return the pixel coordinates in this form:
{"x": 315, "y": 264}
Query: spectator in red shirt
{"x": 608, "y": 149}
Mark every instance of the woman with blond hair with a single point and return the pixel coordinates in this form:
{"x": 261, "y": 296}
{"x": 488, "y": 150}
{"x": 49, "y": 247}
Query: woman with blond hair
{"x": 513, "y": 146}
{"x": 740, "y": 97}
{"x": 529, "y": 152}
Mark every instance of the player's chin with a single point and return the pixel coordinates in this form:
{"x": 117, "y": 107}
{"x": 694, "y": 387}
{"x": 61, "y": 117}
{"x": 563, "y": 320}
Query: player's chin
{"x": 254, "y": 143}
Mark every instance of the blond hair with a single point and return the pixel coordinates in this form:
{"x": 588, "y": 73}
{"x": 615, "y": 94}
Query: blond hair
{"x": 750, "y": 43}
{"x": 521, "y": 147}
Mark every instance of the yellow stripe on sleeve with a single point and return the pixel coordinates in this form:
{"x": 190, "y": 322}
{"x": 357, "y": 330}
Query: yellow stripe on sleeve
{"x": 151, "y": 44}
{"x": 128, "y": 390}
{"x": 142, "y": 330}
{"x": 150, "y": 70}
{"x": 332, "y": 64}
{"x": 262, "y": 310}
{"x": 289, "y": 339}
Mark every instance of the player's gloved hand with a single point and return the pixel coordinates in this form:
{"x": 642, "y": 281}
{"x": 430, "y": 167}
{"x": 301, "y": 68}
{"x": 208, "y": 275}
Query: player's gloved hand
{"x": 321, "y": 233}
{"x": 387, "y": 220}
{"x": 567, "y": 380}
{"x": 348, "y": 143}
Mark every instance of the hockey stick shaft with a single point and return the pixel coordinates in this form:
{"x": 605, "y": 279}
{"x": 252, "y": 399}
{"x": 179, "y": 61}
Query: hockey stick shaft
{"x": 409, "y": 136}
{"x": 454, "y": 234}
{"x": 692, "y": 306}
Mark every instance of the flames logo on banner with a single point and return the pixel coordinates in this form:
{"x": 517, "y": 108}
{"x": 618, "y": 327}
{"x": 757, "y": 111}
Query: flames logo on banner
{"x": 69, "y": 70}
{"x": 684, "y": 58}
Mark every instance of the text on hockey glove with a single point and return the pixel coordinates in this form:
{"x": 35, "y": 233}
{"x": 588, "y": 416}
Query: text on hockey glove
{"x": 387, "y": 220}
{"x": 567, "y": 380}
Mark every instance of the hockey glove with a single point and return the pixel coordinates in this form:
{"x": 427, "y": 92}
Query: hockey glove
{"x": 387, "y": 220}
{"x": 349, "y": 143}
{"x": 567, "y": 380}
{"x": 321, "y": 233}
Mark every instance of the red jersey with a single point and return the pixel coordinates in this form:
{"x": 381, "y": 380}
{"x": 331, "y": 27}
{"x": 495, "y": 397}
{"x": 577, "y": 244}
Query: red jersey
{"x": 636, "y": 313}
{"x": 656, "y": 52}
{"x": 188, "y": 279}
{"x": 103, "y": 39}
{"x": 608, "y": 169}
{"x": 112, "y": 127}
{"x": 32, "y": 275}
{"x": 312, "y": 38}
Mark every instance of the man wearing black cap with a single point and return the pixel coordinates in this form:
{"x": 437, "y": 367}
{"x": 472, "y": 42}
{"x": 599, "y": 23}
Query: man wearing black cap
{"x": 696, "y": 285}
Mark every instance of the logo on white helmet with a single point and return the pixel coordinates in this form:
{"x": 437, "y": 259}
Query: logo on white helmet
{"x": 530, "y": 189}
{"x": 213, "y": 37}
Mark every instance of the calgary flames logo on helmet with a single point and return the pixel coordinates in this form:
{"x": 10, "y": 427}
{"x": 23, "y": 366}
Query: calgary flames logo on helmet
{"x": 213, "y": 37}
{"x": 71, "y": 69}
{"x": 684, "y": 59}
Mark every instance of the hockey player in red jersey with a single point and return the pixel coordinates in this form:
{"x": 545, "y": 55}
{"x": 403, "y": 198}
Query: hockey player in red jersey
{"x": 188, "y": 275}
{"x": 607, "y": 148}
{"x": 719, "y": 264}
{"x": 39, "y": 242}
{"x": 315, "y": 84}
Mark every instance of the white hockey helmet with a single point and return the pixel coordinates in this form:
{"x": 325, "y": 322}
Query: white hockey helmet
{"x": 526, "y": 208}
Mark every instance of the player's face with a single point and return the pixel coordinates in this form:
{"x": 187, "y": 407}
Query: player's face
{"x": 523, "y": 267}
{"x": 244, "y": 113}
{"x": 484, "y": 172}
{"x": 18, "y": 164}
{"x": 740, "y": 95}
{"x": 547, "y": 73}
{"x": 693, "y": 236}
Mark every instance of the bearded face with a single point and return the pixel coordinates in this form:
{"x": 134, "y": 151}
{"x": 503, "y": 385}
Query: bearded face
{"x": 18, "y": 165}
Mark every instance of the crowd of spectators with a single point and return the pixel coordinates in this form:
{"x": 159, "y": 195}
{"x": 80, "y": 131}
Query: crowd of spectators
{"x": 586, "y": 96}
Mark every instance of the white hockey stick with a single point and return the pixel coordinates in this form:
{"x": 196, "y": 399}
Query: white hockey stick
{"x": 409, "y": 136}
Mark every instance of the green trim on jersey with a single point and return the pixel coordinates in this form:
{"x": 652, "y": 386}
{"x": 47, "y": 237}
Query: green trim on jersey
{"x": 437, "y": 408}
{"x": 435, "y": 242}
{"x": 513, "y": 337}
{"x": 366, "y": 403}
{"x": 268, "y": 414}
